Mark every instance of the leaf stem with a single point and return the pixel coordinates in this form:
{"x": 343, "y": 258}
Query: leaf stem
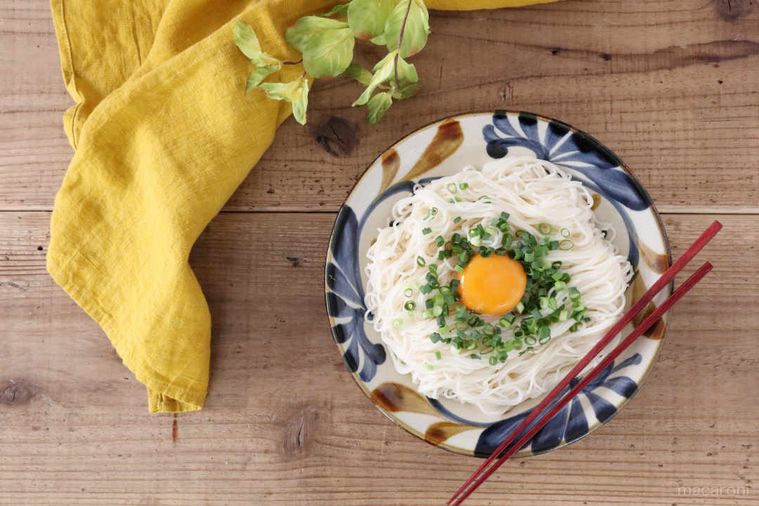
{"x": 292, "y": 62}
{"x": 400, "y": 43}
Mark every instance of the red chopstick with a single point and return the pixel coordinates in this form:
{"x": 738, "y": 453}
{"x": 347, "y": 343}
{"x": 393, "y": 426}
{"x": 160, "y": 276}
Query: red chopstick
{"x": 477, "y": 479}
{"x": 647, "y": 297}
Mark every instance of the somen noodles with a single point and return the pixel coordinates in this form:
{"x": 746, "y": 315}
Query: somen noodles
{"x": 518, "y": 226}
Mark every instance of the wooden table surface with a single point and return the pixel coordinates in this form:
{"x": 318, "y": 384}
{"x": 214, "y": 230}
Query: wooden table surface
{"x": 671, "y": 86}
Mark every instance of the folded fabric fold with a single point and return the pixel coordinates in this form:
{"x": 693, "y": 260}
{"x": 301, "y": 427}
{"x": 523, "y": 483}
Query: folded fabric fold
{"x": 163, "y": 135}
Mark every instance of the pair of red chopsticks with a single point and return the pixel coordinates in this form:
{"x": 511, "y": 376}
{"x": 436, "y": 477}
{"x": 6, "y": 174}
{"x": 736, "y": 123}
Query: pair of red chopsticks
{"x": 509, "y": 447}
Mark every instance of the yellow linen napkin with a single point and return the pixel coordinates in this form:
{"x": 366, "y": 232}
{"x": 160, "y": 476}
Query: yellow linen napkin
{"x": 163, "y": 134}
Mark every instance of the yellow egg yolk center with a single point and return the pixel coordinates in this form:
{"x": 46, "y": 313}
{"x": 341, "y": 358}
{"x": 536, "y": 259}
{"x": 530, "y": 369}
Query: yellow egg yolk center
{"x": 492, "y": 285}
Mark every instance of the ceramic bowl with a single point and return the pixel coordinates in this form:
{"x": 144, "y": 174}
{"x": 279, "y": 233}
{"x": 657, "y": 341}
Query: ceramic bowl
{"x": 444, "y": 148}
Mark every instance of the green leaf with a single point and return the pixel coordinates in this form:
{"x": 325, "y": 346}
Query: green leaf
{"x": 367, "y": 17}
{"x": 295, "y": 92}
{"x": 411, "y": 19}
{"x": 289, "y": 91}
{"x": 407, "y": 91}
{"x": 378, "y": 105}
{"x": 406, "y": 71}
{"x": 337, "y": 10}
{"x": 379, "y": 40}
{"x": 259, "y": 74}
{"x": 383, "y": 71}
{"x": 326, "y": 44}
{"x": 359, "y": 73}
{"x": 246, "y": 40}
{"x": 300, "y": 105}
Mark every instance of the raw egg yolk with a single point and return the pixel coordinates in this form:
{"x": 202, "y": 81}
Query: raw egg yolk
{"x": 492, "y": 285}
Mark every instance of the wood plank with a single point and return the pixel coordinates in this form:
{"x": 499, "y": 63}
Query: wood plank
{"x": 284, "y": 423}
{"x": 670, "y": 86}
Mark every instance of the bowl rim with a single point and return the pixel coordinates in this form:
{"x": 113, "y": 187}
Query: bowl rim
{"x": 522, "y": 453}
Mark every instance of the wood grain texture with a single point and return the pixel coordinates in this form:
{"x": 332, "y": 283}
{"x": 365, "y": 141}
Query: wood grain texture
{"x": 284, "y": 422}
{"x": 669, "y": 85}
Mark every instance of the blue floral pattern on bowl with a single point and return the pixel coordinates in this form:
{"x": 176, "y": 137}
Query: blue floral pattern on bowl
{"x": 621, "y": 201}
{"x": 571, "y": 423}
{"x": 345, "y": 299}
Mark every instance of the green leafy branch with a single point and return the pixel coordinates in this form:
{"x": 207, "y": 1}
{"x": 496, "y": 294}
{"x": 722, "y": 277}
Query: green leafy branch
{"x": 327, "y": 42}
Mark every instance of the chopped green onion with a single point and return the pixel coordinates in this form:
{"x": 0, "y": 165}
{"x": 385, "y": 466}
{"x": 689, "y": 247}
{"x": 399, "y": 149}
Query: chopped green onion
{"x": 464, "y": 185}
{"x": 426, "y": 230}
{"x": 520, "y": 307}
{"x": 433, "y": 268}
{"x": 452, "y": 188}
{"x": 420, "y": 261}
{"x": 408, "y": 292}
{"x": 439, "y": 241}
{"x": 410, "y": 305}
{"x": 428, "y": 366}
{"x": 564, "y": 315}
{"x": 427, "y": 313}
{"x": 530, "y": 340}
{"x": 493, "y": 360}
{"x": 457, "y": 219}
{"x": 544, "y": 332}
{"x": 433, "y": 211}
{"x": 397, "y": 322}
{"x": 435, "y": 337}
{"x": 425, "y": 289}
{"x": 437, "y": 310}
{"x": 565, "y": 232}
{"x": 544, "y": 228}
{"x": 458, "y": 269}
{"x": 438, "y": 355}
{"x": 565, "y": 245}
